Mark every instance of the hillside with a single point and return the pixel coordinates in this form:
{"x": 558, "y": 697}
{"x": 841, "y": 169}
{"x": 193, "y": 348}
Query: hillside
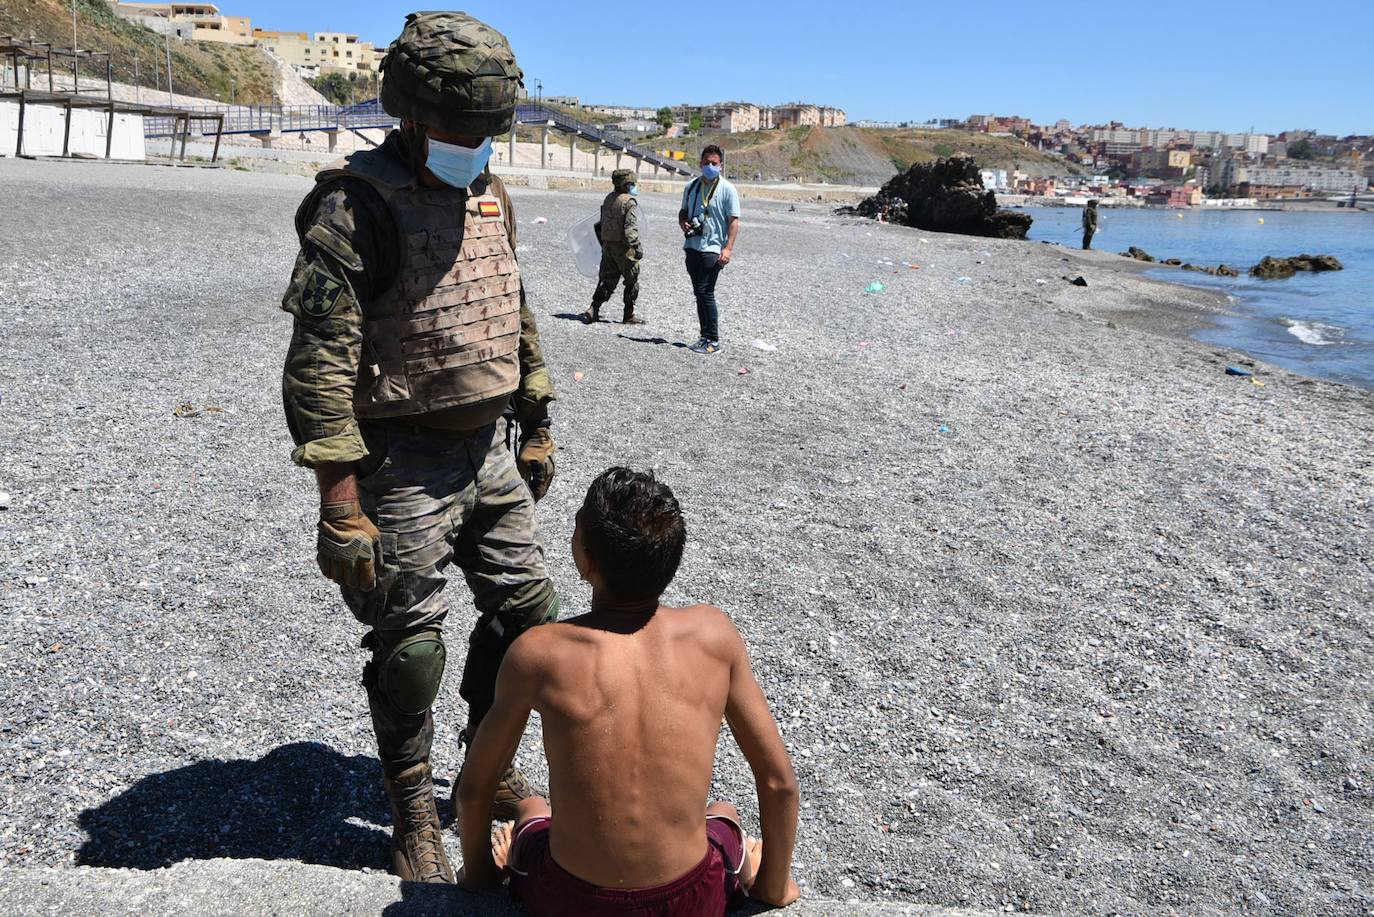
{"x": 199, "y": 68}
{"x": 861, "y": 156}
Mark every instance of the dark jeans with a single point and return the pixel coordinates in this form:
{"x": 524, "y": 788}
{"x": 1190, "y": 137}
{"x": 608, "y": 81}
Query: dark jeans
{"x": 704, "y": 268}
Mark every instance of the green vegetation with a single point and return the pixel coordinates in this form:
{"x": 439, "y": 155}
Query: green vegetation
{"x": 665, "y": 117}
{"x": 1301, "y": 149}
{"x": 345, "y": 89}
{"x": 206, "y": 69}
{"x": 943, "y": 149}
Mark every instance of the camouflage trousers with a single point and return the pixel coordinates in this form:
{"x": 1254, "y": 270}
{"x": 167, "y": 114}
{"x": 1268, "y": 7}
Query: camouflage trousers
{"x": 1088, "y": 237}
{"x": 439, "y": 499}
{"x": 617, "y": 260}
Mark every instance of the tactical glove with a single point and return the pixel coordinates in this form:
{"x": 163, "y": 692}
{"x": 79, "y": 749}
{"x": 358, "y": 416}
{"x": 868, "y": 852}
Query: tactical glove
{"x": 349, "y": 548}
{"x": 535, "y": 459}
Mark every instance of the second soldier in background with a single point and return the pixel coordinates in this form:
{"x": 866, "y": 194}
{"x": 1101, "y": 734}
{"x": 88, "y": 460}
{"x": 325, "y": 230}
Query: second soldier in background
{"x": 621, "y": 250}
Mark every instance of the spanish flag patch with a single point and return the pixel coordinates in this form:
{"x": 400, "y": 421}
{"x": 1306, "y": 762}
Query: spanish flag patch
{"x": 488, "y": 208}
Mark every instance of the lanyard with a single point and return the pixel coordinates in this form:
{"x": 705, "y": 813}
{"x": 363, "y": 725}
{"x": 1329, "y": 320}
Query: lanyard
{"x": 706, "y": 201}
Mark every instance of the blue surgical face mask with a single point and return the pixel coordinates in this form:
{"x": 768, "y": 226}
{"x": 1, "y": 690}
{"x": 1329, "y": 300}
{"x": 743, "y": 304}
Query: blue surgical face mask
{"x": 710, "y": 172}
{"x": 456, "y": 165}
{"x": 634, "y": 189}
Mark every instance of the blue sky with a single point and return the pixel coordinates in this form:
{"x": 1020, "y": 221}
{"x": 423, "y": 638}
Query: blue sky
{"x": 1220, "y": 65}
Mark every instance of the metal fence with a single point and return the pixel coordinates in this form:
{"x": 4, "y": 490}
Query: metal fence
{"x": 283, "y": 119}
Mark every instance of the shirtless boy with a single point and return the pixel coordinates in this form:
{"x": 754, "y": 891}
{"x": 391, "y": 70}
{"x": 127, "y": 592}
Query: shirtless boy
{"x": 632, "y": 695}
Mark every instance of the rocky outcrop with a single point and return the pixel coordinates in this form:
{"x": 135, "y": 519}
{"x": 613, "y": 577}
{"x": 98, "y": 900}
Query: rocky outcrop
{"x": 1271, "y": 268}
{"x": 1138, "y": 254}
{"x": 944, "y": 196}
{"x": 1221, "y": 270}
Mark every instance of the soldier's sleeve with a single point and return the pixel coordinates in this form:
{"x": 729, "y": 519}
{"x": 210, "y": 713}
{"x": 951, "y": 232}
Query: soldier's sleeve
{"x": 632, "y": 224}
{"x": 536, "y": 390}
{"x": 328, "y": 288}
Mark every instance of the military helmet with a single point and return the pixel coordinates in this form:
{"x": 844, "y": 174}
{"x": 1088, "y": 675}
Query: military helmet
{"x": 621, "y": 178}
{"x": 451, "y": 72}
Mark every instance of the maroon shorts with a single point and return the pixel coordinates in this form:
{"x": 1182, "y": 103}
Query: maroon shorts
{"x": 547, "y": 889}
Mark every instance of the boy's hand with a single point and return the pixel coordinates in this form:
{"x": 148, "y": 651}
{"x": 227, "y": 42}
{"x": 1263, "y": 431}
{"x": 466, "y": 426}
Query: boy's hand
{"x": 482, "y": 876}
{"x": 767, "y": 892}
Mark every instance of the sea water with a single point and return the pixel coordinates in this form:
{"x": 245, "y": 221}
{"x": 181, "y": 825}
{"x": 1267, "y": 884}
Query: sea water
{"x": 1316, "y": 324}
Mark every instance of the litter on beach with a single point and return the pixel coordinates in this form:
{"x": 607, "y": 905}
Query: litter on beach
{"x": 1238, "y": 371}
{"x": 1040, "y": 280}
{"x": 924, "y": 241}
{"x": 761, "y": 344}
{"x": 864, "y": 345}
{"x": 744, "y": 370}
{"x": 579, "y": 376}
{"x": 875, "y": 287}
{"x": 966, "y": 280}
{"x": 944, "y": 428}
{"x": 541, "y": 219}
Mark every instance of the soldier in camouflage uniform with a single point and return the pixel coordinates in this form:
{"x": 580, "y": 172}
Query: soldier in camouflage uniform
{"x": 411, "y": 339}
{"x": 621, "y": 250}
{"x": 1089, "y": 224}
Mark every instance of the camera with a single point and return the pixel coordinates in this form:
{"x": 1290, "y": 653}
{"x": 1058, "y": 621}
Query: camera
{"x": 695, "y": 227}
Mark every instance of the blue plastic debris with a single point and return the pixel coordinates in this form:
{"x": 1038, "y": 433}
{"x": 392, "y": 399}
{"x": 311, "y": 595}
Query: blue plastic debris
{"x": 1237, "y": 371}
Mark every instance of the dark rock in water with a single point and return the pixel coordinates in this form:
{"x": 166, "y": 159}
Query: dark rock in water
{"x": 944, "y": 196}
{"x": 1172, "y": 262}
{"x": 1220, "y": 270}
{"x": 1271, "y": 268}
{"x": 1138, "y": 254}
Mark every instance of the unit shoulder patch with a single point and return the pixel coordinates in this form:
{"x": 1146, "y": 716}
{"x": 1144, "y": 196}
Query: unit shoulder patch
{"x": 489, "y": 208}
{"x": 321, "y": 293}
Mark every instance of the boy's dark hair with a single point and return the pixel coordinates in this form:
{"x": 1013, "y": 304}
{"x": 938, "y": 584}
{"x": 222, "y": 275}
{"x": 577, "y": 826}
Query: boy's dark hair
{"x": 712, "y": 148}
{"x": 633, "y": 529}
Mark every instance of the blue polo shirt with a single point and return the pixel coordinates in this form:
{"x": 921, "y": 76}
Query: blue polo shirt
{"x": 718, "y": 205}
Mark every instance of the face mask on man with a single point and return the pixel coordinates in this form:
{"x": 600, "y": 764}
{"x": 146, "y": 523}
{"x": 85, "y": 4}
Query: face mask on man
{"x": 457, "y": 165}
{"x": 633, "y": 190}
{"x": 710, "y": 171}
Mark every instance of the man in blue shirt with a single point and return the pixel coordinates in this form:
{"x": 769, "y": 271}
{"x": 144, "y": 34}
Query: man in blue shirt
{"x": 709, "y": 220}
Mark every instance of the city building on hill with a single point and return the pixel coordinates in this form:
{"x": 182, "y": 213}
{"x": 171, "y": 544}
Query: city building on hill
{"x": 731, "y": 117}
{"x": 326, "y": 52}
{"x": 191, "y": 21}
{"x": 796, "y": 114}
{"x": 623, "y": 111}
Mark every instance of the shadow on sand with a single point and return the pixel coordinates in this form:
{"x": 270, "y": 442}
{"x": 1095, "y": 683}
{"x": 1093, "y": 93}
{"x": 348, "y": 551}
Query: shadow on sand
{"x": 294, "y": 803}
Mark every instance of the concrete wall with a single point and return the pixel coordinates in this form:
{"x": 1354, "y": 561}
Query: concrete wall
{"x": 44, "y": 124}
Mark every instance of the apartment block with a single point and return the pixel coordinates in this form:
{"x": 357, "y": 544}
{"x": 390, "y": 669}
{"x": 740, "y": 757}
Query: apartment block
{"x": 325, "y": 52}
{"x": 191, "y": 21}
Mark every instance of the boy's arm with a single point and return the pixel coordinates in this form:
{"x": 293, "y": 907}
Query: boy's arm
{"x": 746, "y": 709}
{"x": 491, "y": 751}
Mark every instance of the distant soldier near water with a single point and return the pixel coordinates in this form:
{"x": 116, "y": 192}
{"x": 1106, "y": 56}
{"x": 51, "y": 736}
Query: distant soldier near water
{"x": 621, "y": 250}
{"x": 1089, "y": 223}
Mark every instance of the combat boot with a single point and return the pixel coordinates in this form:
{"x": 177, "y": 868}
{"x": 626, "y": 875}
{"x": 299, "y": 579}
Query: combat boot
{"x": 592, "y": 315}
{"x": 630, "y": 318}
{"x": 417, "y": 844}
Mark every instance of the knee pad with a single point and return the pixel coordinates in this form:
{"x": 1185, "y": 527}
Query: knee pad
{"x": 410, "y": 672}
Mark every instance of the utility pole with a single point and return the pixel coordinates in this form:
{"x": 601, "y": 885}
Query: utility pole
{"x": 539, "y": 91}
{"x": 137, "y": 95}
{"x": 168, "y": 36}
{"x": 233, "y": 90}
{"x": 76, "y": 83}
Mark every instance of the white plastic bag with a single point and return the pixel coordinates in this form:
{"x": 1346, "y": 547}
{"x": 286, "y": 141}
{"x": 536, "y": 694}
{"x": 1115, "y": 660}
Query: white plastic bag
{"x": 586, "y": 251}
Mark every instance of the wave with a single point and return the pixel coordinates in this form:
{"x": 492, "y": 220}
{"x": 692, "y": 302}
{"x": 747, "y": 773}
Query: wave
{"x": 1315, "y": 333}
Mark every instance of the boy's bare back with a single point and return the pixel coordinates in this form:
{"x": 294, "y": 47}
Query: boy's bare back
{"x": 631, "y": 714}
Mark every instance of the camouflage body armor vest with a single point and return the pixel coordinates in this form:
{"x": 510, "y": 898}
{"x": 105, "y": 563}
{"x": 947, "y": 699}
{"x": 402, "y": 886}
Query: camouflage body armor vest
{"x": 613, "y": 216}
{"x": 446, "y": 334}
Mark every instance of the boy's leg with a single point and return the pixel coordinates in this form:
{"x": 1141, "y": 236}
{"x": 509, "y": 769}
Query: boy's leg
{"x": 503, "y": 839}
{"x": 739, "y": 854}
